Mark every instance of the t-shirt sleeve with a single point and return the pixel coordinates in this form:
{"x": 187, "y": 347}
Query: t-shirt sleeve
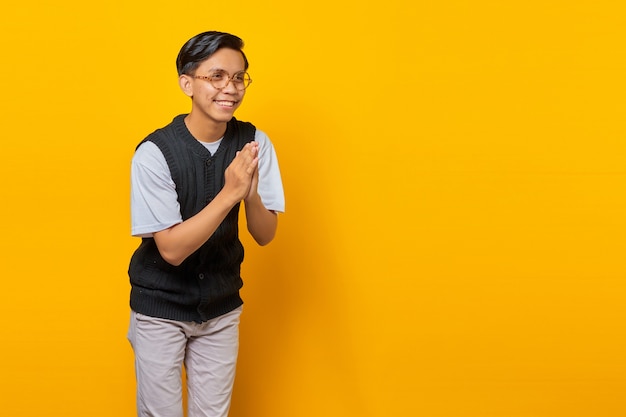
{"x": 270, "y": 182}
{"x": 154, "y": 201}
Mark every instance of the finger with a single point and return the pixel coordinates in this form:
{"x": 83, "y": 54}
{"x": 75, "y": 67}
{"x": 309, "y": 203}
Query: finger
{"x": 253, "y": 166}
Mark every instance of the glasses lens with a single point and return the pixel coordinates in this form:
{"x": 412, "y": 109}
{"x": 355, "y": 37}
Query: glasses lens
{"x": 218, "y": 79}
{"x": 241, "y": 80}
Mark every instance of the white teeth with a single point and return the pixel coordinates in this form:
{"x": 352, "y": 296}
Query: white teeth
{"x": 226, "y": 103}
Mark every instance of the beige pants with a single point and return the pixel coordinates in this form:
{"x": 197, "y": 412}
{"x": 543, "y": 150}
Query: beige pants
{"x": 209, "y": 353}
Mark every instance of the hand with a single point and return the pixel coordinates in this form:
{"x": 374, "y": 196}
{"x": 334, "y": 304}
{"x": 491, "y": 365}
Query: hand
{"x": 239, "y": 175}
{"x": 254, "y": 185}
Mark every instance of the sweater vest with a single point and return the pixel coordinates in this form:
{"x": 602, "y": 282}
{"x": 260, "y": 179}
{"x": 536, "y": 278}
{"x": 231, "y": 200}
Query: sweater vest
{"x": 207, "y": 283}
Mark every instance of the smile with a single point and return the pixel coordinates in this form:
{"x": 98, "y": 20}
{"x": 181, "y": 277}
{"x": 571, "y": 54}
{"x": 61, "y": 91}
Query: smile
{"x": 225, "y": 103}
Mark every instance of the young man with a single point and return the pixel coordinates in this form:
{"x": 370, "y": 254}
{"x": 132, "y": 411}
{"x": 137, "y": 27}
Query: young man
{"x": 188, "y": 180}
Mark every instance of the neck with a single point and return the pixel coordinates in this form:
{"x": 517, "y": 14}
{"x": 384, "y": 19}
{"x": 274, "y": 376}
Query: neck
{"x": 204, "y": 130}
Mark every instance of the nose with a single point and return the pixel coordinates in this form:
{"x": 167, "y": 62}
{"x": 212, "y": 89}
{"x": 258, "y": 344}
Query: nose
{"x": 230, "y": 87}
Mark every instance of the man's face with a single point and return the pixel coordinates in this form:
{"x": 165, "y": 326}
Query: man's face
{"x": 217, "y": 104}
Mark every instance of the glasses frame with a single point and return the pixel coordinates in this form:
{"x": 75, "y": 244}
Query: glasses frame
{"x": 230, "y": 79}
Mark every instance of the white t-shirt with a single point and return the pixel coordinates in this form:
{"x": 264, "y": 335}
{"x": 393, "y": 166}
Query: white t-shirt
{"x": 154, "y": 201}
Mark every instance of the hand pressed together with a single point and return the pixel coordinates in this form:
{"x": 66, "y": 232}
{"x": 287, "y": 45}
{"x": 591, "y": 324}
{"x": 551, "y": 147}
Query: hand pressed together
{"x": 241, "y": 176}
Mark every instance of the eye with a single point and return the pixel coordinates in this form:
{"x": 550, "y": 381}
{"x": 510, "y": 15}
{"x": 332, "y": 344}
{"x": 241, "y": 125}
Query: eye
{"x": 239, "y": 77}
{"x": 217, "y": 76}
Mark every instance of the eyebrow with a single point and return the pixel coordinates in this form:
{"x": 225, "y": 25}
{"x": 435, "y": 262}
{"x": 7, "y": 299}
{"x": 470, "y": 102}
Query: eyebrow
{"x": 217, "y": 69}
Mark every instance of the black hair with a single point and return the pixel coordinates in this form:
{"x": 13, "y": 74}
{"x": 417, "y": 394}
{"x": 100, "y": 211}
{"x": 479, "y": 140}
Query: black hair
{"x": 202, "y": 46}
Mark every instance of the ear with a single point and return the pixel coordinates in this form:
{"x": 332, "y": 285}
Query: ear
{"x": 185, "y": 82}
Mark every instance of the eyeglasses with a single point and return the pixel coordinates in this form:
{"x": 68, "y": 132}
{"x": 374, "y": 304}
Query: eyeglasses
{"x": 220, "y": 79}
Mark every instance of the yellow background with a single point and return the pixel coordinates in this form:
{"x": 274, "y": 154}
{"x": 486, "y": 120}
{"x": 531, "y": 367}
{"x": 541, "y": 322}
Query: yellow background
{"x": 456, "y": 198}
